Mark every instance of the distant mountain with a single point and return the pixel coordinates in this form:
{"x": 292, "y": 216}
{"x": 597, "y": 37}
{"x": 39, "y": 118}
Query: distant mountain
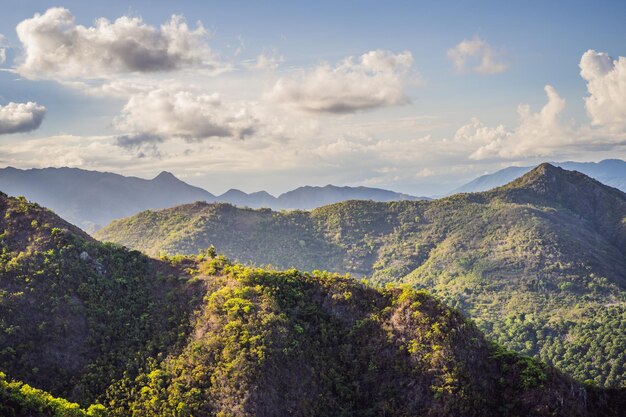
{"x": 308, "y": 197}
{"x": 254, "y": 200}
{"x": 537, "y": 262}
{"x": 124, "y": 335}
{"x": 91, "y": 199}
{"x": 610, "y": 172}
{"x": 312, "y": 197}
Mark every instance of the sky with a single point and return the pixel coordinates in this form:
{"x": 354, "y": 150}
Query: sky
{"x": 417, "y": 97}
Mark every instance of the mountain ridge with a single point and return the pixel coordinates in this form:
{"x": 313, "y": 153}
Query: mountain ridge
{"x": 207, "y": 337}
{"x": 542, "y": 255}
{"x": 91, "y": 199}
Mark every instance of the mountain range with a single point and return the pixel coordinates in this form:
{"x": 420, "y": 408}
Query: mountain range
{"x": 91, "y": 199}
{"x": 94, "y": 329}
{"x": 610, "y": 172}
{"x": 537, "y": 262}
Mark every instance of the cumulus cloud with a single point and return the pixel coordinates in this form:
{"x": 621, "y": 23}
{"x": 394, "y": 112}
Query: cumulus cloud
{"x": 375, "y": 79}
{"x": 164, "y": 113}
{"x": 21, "y": 117}
{"x": 476, "y": 55}
{"x": 606, "y": 83}
{"x": 55, "y": 46}
{"x": 538, "y": 134}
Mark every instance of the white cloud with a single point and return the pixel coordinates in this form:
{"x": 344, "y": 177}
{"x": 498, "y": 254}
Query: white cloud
{"x": 375, "y": 79}
{"x": 168, "y": 113}
{"x": 476, "y": 132}
{"x": 538, "y": 134}
{"x": 606, "y": 83}
{"x": 268, "y": 61}
{"x": 543, "y": 134}
{"x": 3, "y": 44}
{"x": 56, "y": 47}
{"x": 476, "y": 55}
{"x": 21, "y": 117}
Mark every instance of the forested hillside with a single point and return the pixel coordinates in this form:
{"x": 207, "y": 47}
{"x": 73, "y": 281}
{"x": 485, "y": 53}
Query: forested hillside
{"x": 120, "y": 334}
{"x": 76, "y": 314}
{"x": 539, "y": 263}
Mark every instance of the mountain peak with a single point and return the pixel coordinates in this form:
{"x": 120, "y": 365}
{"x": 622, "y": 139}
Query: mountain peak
{"x": 165, "y": 176}
{"x": 544, "y": 176}
{"x": 233, "y": 192}
{"x": 548, "y": 185}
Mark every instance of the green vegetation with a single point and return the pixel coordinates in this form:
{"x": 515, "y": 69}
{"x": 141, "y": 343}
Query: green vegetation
{"x": 119, "y": 334}
{"x": 18, "y": 399}
{"x": 536, "y": 263}
{"x": 76, "y": 314}
{"x": 288, "y": 343}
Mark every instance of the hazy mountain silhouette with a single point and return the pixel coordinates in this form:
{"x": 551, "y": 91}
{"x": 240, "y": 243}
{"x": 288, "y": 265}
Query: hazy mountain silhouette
{"x": 91, "y": 199}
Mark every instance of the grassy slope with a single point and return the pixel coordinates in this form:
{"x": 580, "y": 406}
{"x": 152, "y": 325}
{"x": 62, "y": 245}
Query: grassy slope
{"x": 536, "y": 262}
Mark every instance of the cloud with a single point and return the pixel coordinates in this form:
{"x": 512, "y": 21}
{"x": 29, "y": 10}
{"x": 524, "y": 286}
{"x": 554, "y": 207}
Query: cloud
{"x": 538, "y": 134}
{"x": 476, "y": 132}
{"x": 167, "y": 113}
{"x": 543, "y": 134}
{"x": 375, "y": 79}
{"x": 476, "y": 55}
{"x": 56, "y": 47}
{"x": 606, "y": 83}
{"x": 21, "y": 117}
{"x": 144, "y": 144}
{"x": 268, "y": 61}
{"x": 3, "y": 44}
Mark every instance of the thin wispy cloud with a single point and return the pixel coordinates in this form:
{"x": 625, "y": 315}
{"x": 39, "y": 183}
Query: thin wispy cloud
{"x": 3, "y": 49}
{"x": 476, "y": 55}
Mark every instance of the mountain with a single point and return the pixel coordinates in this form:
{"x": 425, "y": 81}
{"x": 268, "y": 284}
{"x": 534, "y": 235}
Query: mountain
{"x": 539, "y": 263}
{"x": 90, "y": 199}
{"x": 242, "y": 199}
{"x": 308, "y": 197}
{"x": 610, "y": 172}
{"x": 76, "y": 314}
{"x": 261, "y": 343}
{"x": 121, "y": 334}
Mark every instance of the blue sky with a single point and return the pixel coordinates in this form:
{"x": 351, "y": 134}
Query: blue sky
{"x": 284, "y": 106}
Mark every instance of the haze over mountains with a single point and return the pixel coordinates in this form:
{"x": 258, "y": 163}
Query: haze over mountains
{"x": 91, "y": 199}
{"x": 609, "y": 171}
{"x": 538, "y": 261}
